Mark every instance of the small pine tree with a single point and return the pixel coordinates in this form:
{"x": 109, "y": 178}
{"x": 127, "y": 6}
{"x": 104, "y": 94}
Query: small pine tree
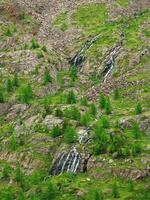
{"x": 136, "y": 132}
{"x": 98, "y": 196}
{"x": 6, "y": 172}
{"x": 85, "y": 119}
{"x": 8, "y": 32}
{"x": 21, "y": 196}
{"x": 1, "y": 96}
{"x": 59, "y": 113}
{"x": 26, "y": 94}
{"x": 138, "y": 109}
{"x": 84, "y": 101}
{"x": 9, "y": 86}
{"x": 74, "y": 113}
{"x": 44, "y": 48}
{"x": 48, "y": 192}
{"x": 34, "y": 44}
{"x": 47, "y": 77}
{"x": 93, "y": 109}
{"x": 71, "y": 98}
{"x": 115, "y": 191}
{"x": 56, "y": 131}
{"x": 73, "y": 73}
{"x": 70, "y": 135}
{"x": 15, "y": 81}
{"x": 13, "y": 143}
{"x": 130, "y": 186}
{"x": 102, "y": 101}
{"x": 19, "y": 176}
{"x": 108, "y": 108}
{"x": 105, "y": 122}
{"x": 116, "y": 94}
{"x": 136, "y": 149}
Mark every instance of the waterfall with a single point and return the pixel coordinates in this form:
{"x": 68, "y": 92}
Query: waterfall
{"x": 79, "y": 58}
{"x": 70, "y": 161}
{"x": 110, "y": 64}
{"x": 66, "y": 162}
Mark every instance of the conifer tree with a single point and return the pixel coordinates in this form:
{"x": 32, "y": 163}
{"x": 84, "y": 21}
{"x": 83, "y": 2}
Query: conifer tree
{"x": 116, "y": 94}
{"x": 73, "y": 73}
{"x": 108, "y": 108}
{"x": 70, "y": 135}
{"x": 47, "y": 77}
{"x": 9, "y": 86}
{"x": 26, "y": 94}
{"x": 93, "y": 109}
{"x": 1, "y": 96}
{"x": 71, "y": 98}
{"x": 115, "y": 191}
{"x": 15, "y": 80}
{"x": 138, "y": 109}
{"x": 102, "y": 101}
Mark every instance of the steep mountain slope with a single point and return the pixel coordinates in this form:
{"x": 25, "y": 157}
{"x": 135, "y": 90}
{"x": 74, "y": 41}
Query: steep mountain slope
{"x": 74, "y": 99}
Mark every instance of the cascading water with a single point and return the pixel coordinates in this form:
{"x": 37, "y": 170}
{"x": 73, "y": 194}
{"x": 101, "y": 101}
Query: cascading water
{"x": 110, "y": 63}
{"x": 69, "y": 162}
{"x": 79, "y": 58}
{"x": 66, "y": 162}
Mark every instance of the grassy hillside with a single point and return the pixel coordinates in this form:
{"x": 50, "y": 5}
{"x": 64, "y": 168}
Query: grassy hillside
{"x": 58, "y": 117}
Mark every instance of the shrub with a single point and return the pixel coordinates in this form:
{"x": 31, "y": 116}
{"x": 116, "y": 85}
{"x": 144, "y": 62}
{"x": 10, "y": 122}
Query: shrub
{"x": 93, "y": 109}
{"x": 21, "y": 196}
{"x": 47, "y": 77}
{"x": 136, "y": 149}
{"x": 9, "y": 86}
{"x": 73, "y": 73}
{"x": 136, "y": 132}
{"x": 26, "y": 94}
{"x": 19, "y": 175}
{"x": 84, "y": 101}
{"x": 116, "y": 94}
{"x": 85, "y": 119}
{"x": 73, "y": 113}
{"x": 48, "y": 192}
{"x": 98, "y": 195}
{"x": 115, "y": 191}
{"x": 6, "y": 171}
{"x": 15, "y": 81}
{"x": 13, "y": 143}
{"x": 70, "y": 135}
{"x": 102, "y": 101}
{"x": 108, "y": 108}
{"x": 71, "y": 98}
{"x": 105, "y": 122}
{"x": 56, "y": 131}
{"x": 34, "y": 44}
{"x": 1, "y": 96}
{"x": 8, "y": 32}
{"x": 138, "y": 109}
{"x": 130, "y": 186}
{"x": 101, "y": 138}
{"x": 59, "y": 113}
{"x": 44, "y": 48}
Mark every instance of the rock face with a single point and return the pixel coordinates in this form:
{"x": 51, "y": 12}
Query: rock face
{"x": 67, "y": 162}
{"x": 72, "y": 161}
{"x": 79, "y": 58}
{"x": 52, "y": 121}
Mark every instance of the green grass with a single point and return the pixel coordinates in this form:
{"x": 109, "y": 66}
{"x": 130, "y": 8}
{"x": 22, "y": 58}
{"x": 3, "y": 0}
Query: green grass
{"x": 61, "y": 22}
{"x": 122, "y": 3}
